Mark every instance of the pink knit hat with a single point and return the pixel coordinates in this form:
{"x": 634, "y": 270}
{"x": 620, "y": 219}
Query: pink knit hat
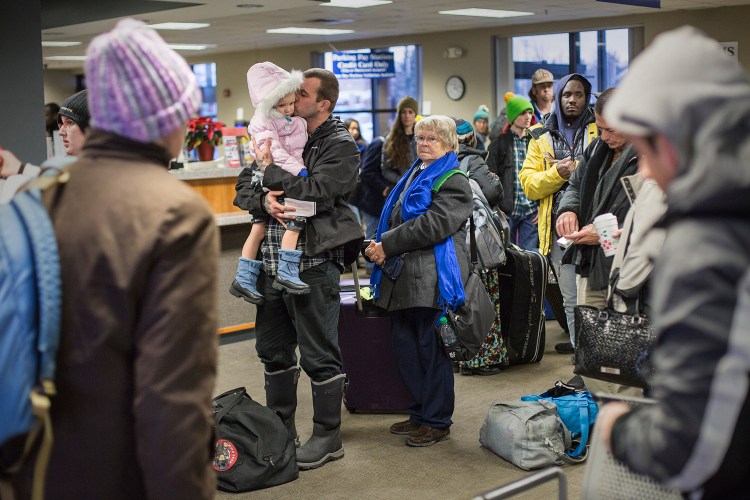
{"x": 267, "y": 84}
{"x": 138, "y": 86}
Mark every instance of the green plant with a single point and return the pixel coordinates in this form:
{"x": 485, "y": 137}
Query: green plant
{"x": 203, "y": 129}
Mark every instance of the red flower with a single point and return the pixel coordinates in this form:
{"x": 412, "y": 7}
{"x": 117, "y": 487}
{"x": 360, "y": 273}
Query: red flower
{"x": 203, "y": 128}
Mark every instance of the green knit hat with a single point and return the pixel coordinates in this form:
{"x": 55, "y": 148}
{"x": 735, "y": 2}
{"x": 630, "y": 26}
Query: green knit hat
{"x": 516, "y": 106}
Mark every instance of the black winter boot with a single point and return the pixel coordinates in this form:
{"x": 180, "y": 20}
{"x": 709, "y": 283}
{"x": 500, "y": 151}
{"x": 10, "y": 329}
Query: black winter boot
{"x": 325, "y": 443}
{"x": 281, "y": 397}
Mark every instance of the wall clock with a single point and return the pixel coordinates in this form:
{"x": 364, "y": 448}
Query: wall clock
{"x": 455, "y": 87}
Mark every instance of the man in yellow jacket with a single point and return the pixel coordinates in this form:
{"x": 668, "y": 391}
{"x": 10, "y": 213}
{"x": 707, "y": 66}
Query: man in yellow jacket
{"x": 554, "y": 151}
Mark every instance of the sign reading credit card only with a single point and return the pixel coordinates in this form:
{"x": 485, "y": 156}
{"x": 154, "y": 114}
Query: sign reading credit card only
{"x": 363, "y": 65}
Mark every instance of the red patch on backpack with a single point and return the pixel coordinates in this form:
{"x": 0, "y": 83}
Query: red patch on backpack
{"x": 225, "y": 455}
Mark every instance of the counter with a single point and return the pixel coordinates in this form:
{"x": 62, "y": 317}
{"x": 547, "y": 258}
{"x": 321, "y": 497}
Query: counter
{"x": 216, "y": 185}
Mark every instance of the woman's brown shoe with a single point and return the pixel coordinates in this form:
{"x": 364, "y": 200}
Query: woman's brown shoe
{"x": 405, "y": 427}
{"x": 427, "y": 436}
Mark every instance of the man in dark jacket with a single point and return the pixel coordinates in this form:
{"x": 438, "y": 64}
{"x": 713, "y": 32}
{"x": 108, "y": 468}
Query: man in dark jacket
{"x": 595, "y": 189}
{"x": 686, "y": 106}
{"x": 506, "y": 156}
{"x": 331, "y": 240}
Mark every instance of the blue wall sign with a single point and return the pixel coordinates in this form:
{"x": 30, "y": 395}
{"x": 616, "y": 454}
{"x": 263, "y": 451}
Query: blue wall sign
{"x": 655, "y": 4}
{"x": 363, "y": 65}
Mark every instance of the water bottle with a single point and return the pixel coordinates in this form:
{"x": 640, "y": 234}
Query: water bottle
{"x": 447, "y": 333}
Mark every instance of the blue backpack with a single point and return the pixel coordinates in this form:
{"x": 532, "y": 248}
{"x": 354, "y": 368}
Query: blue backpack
{"x": 30, "y": 319}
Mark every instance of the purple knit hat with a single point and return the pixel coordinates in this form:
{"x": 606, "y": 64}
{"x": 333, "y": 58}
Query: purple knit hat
{"x": 138, "y": 86}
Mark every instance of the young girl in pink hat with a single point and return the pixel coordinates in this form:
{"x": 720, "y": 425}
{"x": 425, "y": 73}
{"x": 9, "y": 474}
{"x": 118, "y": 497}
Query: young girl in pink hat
{"x": 273, "y": 92}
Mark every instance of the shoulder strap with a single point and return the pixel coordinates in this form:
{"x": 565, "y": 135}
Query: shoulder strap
{"x": 472, "y": 240}
{"x": 441, "y": 180}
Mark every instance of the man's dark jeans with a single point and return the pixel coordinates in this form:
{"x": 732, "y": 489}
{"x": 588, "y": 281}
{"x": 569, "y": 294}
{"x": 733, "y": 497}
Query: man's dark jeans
{"x": 310, "y": 321}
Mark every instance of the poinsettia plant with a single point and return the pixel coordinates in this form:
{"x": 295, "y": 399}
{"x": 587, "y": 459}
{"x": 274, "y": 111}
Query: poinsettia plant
{"x": 203, "y": 129}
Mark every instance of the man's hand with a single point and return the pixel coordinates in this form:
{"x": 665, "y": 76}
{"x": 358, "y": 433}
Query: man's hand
{"x": 565, "y": 167}
{"x": 586, "y": 236}
{"x": 606, "y": 420}
{"x": 567, "y": 223}
{"x": 275, "y": 209}
{"x": 263, "y": 156}
{"x": 9, "y": 164}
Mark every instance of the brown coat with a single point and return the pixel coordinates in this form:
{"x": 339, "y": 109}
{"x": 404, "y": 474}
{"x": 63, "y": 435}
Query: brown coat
{"x": 137, "y": 358}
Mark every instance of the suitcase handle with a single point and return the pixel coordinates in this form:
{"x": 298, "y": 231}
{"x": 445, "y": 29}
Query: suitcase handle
{"x": 526, "y": 483}
{"x": 355, "y": 275}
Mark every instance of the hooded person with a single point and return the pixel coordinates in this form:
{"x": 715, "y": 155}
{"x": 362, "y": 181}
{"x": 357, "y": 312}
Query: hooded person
{"x": 686, "y": 107}
{"x": 273, "y": 92}
{"x": 138, "y": 251}
{"x": 554, "y": 151}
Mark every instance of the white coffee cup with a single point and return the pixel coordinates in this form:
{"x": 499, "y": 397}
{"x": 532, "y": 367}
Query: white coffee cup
{"x": 606, "y": 225}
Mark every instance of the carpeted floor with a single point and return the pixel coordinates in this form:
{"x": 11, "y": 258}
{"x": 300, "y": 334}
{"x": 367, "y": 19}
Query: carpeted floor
{"x": 378, "y": 465}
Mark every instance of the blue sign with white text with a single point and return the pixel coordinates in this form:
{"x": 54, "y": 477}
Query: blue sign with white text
{"x": 363, "y": 65}
{"x": 654, "y": 4}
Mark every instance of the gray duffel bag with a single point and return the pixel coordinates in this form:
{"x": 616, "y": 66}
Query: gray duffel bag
{"x": 528, "y": 434}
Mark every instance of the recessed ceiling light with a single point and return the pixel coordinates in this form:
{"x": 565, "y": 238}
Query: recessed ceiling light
{"x": 485, "y": 13}
{"x": 249, "y": 5}
{"x": 60, "y": 44}
{"x": 66, "y": 58}
{"x": 191, "y": 46}
{"x": 308, "y": 31}
{"x": 179, "y": 26}
{"x": 355, "y": 4}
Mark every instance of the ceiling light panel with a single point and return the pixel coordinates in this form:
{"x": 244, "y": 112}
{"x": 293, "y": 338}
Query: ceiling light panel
{"x": 60, "y": 44}
{"x": 355, "y": 4}
{"x": 485, "y": 13}
{"x": 179, "y": 26}
{"x": 66, "y": 58}
{"x": 308, "y": 31}
{"x": 191, "y": 46}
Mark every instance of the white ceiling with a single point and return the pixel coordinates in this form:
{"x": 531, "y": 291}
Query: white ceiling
{"x": 235, "y": 29}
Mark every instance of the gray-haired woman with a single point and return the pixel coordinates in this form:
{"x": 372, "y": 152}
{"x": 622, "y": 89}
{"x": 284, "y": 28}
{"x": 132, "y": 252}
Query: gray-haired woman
{"x": 426, "y": 227}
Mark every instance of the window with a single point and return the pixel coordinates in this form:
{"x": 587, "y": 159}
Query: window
{"x": 601, "y": 56}
{"x": 372, "y": 101}
{"x": 205, "y": 74}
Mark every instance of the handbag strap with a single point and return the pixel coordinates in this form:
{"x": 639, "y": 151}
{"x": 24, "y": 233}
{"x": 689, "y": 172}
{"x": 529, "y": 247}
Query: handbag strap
{"x": 228, "y": 407}
{"x": 583, "y": 412}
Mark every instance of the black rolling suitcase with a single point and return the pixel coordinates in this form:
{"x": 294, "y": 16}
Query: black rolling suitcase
{"x": 375, "y": 384}
{"x": 523, "y": 282}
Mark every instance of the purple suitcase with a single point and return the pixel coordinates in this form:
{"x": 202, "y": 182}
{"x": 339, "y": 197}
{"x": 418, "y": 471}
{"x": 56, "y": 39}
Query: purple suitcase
{"x": 375, "y": 384}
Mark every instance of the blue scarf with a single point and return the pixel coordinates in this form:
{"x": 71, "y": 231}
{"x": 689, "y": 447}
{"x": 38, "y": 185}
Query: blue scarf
{"x": 417, "y": 200}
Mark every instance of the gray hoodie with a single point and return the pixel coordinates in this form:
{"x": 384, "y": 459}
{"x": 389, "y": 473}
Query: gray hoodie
{"x": 697, "y": 436}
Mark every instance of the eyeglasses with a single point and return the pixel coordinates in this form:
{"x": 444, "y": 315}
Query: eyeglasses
{"x": 430, "y": 139}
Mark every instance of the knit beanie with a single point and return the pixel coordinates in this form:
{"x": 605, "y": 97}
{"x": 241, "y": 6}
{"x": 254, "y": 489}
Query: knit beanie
{"x": 482, "y": 113}
{"x": 139, "y": 88}
{"x": 464, "y": 131}
{"x": 408, "y": 102}
{"x": 515, "y": 106}
{"x": 76, "y": 107}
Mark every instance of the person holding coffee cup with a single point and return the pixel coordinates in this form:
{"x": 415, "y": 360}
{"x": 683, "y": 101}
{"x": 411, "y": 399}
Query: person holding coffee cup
{"x": 593, "y": 206}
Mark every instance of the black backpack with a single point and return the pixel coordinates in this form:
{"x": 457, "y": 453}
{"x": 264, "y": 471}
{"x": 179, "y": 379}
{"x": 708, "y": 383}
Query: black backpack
{"x": 253, "y": 448}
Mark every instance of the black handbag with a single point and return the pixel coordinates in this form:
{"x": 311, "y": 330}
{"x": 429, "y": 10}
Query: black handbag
{"x": 473, "y": 319}
{"x": 613, "y": 346}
